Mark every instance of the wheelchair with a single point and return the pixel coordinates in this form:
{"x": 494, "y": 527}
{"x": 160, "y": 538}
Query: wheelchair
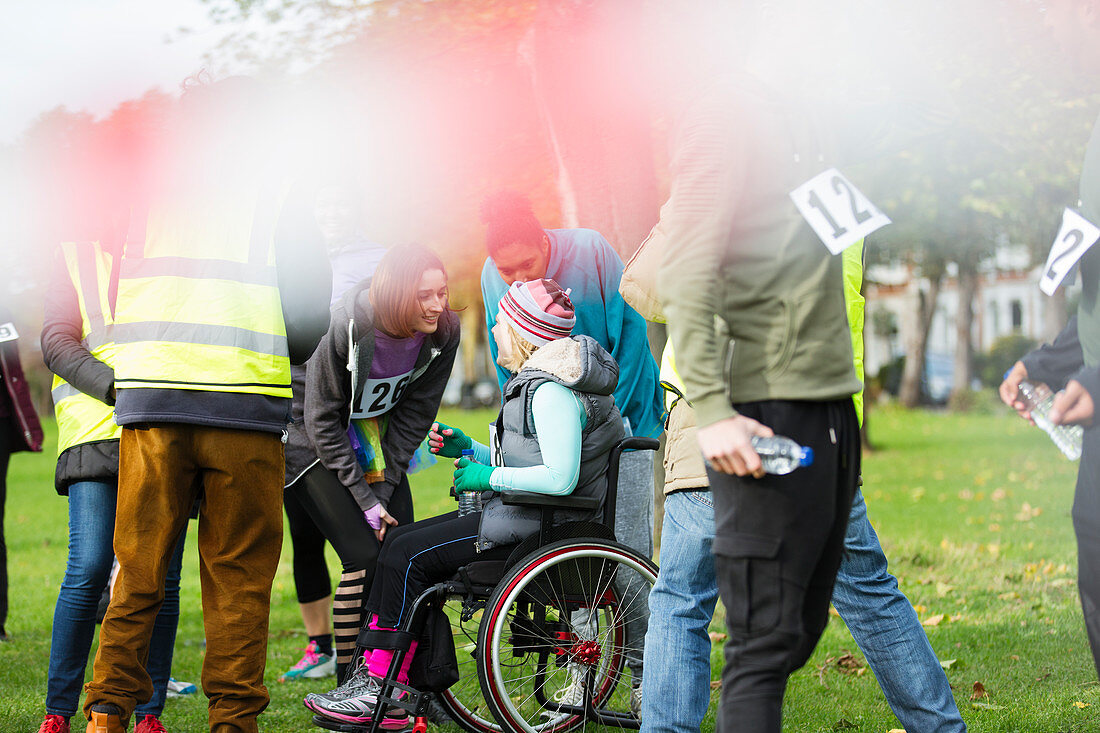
{"x": 541, "y": 638}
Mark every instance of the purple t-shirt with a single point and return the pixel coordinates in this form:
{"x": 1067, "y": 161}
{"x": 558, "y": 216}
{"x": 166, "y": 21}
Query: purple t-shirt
{"x": 390, "y": 371}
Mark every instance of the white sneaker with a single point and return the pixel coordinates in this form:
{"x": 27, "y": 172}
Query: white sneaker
{"x": 636, "y": 700}
{"x": 573, "y": 693}
{"x": 175, "y": 688}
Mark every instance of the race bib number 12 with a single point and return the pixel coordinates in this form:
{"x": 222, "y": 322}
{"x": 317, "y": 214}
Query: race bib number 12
{"x": 7, "y": 332}
{"x": 836, "y": 210}
{"x": 1074, "y": 239}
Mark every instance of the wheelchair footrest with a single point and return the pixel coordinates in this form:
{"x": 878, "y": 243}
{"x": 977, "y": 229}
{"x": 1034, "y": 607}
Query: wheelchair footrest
{"x": 329, "y": 724}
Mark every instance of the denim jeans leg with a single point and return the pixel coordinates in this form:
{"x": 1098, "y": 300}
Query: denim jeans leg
{"x": 91, "y": 527}
{"x": 676, "y": 682}
{"x": 885, "y": 626}
{"x": 163, "y": 641}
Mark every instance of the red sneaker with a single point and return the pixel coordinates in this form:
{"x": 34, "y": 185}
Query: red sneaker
{"x": 149, "y": 724}
{"x": 54, "y": 724}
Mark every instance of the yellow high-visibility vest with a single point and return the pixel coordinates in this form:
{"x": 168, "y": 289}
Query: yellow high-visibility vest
{"x": 198, "y": 303}
{"x": 81, "y": 418}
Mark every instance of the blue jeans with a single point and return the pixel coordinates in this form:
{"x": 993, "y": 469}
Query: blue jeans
{"x": 676, "y": 691}
{"x": 91, "y": 531}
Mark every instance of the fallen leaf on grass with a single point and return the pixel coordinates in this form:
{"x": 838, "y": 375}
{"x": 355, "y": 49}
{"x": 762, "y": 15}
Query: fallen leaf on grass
{"x": 716, "y": 636}
{"x": 848, "y": 664}
{"x": 947, "y": 663}
{"x": 1081, "y": 705}
{"x": 896, "y": 730}
{"x": 942, "y": 589}
{"x": 979, "y": 692}
{"x": 933, "y": 620}
{"x": 716, "y": 684}
{"x": 843, "y": 724}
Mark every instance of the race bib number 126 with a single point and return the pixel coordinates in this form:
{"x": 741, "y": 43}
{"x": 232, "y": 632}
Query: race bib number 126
{"x": 1074, "y": 239}
{"x": 836, "y": 210}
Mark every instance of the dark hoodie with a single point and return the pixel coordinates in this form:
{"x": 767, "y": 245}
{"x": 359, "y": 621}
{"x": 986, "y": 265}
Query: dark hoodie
{"x": 328, "y": 399}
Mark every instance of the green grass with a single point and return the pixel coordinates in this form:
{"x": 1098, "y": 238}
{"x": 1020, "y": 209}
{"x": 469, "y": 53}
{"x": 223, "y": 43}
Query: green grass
{"x": 973, "y": 511}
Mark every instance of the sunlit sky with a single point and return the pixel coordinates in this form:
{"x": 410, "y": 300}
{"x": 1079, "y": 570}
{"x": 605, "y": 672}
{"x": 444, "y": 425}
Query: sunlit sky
{"x": 93, "y": 54}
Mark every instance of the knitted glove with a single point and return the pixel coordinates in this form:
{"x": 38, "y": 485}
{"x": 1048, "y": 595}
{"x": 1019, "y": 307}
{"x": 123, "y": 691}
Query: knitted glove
{"x": 374, "y": 516}
{"x": 447, "y": 441}
{"x": 470, "y": 476}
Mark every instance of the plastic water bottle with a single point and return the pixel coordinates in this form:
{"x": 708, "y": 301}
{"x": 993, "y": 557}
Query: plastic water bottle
{"x": 468, "y": 501}
{"x": 1039, "y": 400}
{"x": 781, "y": 455}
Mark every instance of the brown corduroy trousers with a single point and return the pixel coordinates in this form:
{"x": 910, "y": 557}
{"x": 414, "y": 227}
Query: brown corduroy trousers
{"x": 238, "y": 477}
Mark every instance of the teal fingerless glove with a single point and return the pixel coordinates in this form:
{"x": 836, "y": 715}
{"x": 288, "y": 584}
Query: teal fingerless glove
{"x": 470, "y": 476}
{"x": 446, "y": 441}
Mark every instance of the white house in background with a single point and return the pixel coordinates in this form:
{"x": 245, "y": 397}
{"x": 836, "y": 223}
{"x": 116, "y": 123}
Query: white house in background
{"x": 1007, "y": 301}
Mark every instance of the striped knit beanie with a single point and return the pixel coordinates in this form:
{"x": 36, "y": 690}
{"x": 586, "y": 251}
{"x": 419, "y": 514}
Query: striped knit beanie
{"x": 539, "y": 311}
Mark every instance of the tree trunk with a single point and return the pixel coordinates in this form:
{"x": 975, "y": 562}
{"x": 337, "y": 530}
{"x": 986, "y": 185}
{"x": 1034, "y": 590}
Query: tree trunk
{"x": 917, "y": 343}
{"x": 585, "y": 60}
{"x": 964, "y": 328}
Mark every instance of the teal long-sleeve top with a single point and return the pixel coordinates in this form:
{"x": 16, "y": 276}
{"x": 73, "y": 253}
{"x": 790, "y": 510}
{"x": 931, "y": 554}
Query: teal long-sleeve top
{"x": 583, "y": 261}
{"x": 559, "y": 418}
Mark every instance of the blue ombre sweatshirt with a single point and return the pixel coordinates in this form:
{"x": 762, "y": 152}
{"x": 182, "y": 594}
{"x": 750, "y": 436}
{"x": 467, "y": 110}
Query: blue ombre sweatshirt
{"x": 583, "y": 261}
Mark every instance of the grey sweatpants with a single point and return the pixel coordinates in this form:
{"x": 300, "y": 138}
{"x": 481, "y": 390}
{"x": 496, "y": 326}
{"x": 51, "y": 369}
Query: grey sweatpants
{"x": 634, "y": 528}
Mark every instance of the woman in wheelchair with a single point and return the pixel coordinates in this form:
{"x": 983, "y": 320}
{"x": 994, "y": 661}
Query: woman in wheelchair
{"x": 555, "y": 430}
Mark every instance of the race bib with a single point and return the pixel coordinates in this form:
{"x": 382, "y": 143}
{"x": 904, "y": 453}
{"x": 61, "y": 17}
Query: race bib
{"x": 1074, "y": 239}
{"x": 836, "y": 210}
{"x": 380, "y": 395}
{"x": 8, "y": 332}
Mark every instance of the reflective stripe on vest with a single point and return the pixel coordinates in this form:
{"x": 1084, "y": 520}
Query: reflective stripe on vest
{"x": 81, "y": 418}
{"x": 198, "y": 300}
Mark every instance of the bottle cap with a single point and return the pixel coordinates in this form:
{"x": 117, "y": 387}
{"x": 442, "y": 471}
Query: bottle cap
{"x": 806, "y": 457}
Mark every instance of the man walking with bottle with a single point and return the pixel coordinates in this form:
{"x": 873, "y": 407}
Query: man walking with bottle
{"x": 756, "y": 315}
{"x": 1072, "y": 362}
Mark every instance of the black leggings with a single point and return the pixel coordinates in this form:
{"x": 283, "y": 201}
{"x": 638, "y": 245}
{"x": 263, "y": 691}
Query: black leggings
{"x": 337, "y": 515}
{"x": 311, "y": 577}
{"x": 415, "y": 556}
{"x": 339, "y": 518}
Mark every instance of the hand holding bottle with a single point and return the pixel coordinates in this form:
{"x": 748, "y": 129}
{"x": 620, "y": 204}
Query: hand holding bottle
{"x": 1073, "y": 405}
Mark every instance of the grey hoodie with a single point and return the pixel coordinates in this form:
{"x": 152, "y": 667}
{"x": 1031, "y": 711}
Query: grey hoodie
{"x": 329, "y": 395}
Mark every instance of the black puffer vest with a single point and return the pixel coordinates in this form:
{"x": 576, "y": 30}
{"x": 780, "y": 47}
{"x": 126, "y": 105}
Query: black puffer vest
{"x": 585, "y": 367}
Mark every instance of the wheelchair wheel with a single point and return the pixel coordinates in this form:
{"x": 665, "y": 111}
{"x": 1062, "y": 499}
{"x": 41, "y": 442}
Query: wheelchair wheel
{"x": 556, "y": 650}
{"x": 463, "y": 702}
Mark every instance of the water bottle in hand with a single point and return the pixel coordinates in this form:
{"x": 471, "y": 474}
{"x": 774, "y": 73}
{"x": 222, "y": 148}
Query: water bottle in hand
{"x": 1039, "y": 400}
{"x": 781, "y": 455}
{"x": 468, "y": 501}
